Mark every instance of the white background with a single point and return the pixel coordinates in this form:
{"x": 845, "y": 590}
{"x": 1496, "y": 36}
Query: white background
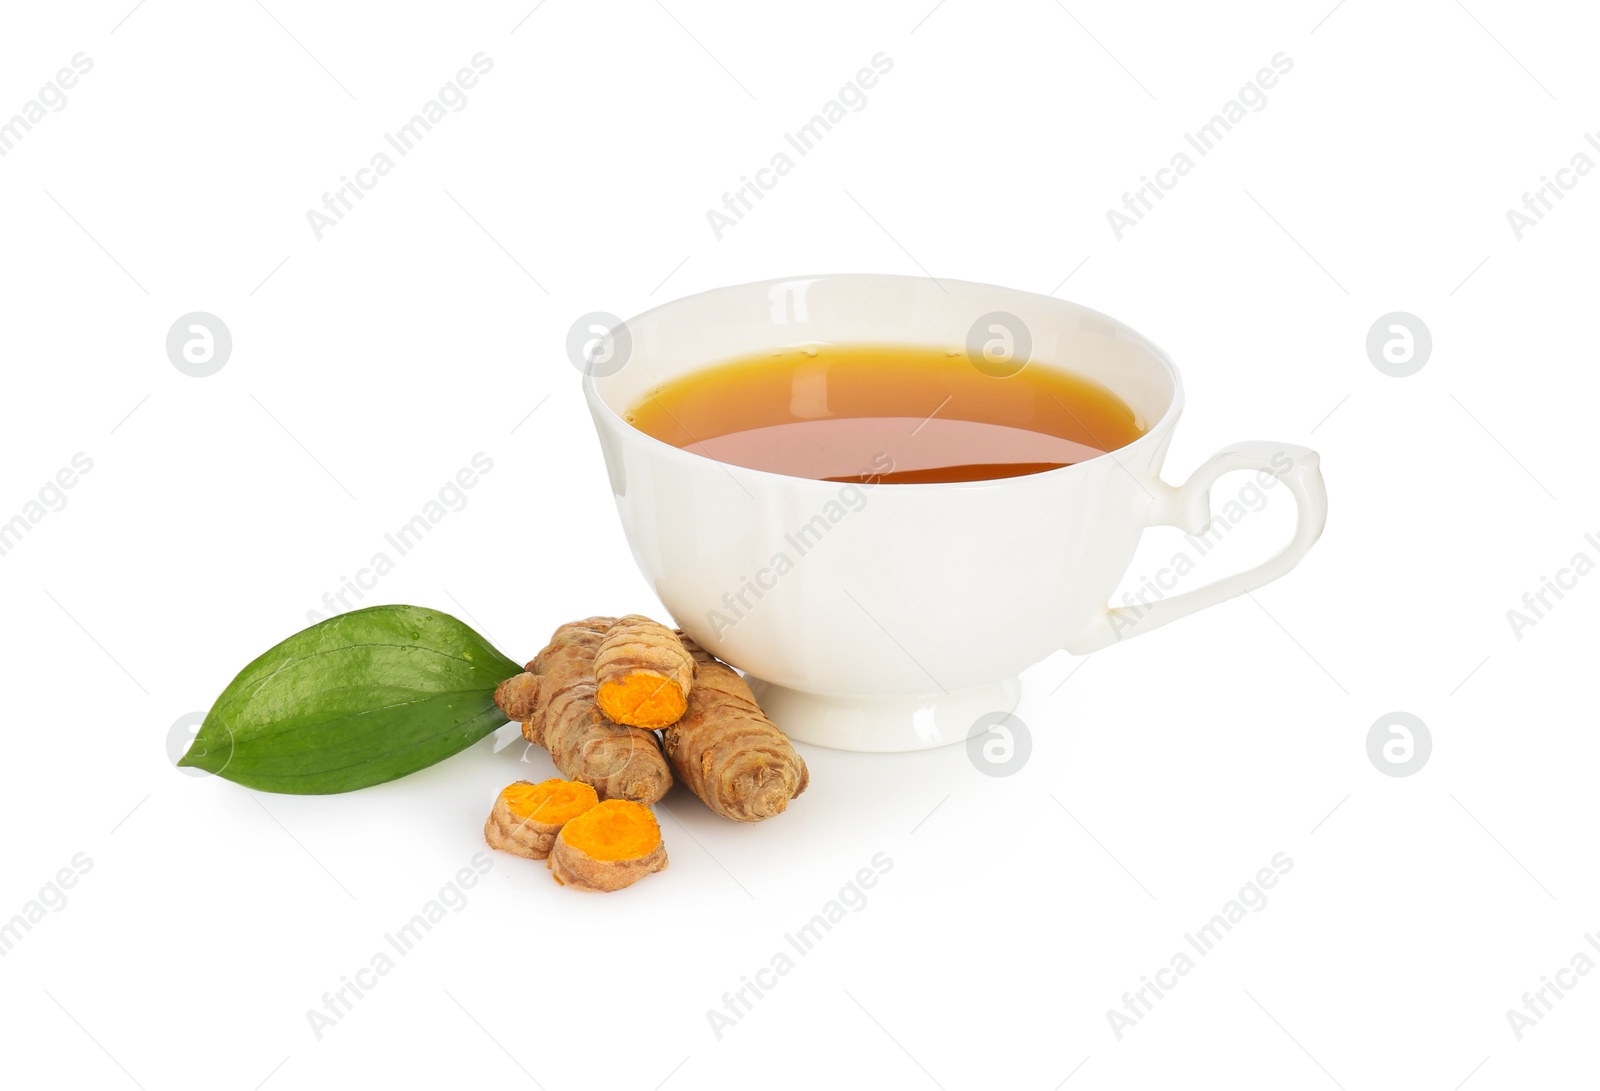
{"x": 369, "y": 366}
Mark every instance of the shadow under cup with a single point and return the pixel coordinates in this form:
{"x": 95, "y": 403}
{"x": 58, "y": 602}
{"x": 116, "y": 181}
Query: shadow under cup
{"x": 889, "y": 616}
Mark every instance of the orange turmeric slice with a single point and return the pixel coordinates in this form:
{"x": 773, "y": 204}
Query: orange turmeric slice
{"x": 527, "y": 817}
{"x": 612, "y": 845}
{"x": 642, "y": 673}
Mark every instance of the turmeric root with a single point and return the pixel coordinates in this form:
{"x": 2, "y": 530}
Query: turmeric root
{"x": 612, "y": 845}
{"x": 727, "y": 751}
{"x": 517, "y": 695}
{"x": 555, "y": 702}
{"x": 642, "y": 673}
{"x": 526, "y": 816}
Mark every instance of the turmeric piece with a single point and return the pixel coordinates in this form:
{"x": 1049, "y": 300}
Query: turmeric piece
{"x": 517, "y": 695}
{"x": 612, "y": 845}
{"x": 526, "y": 816}
{"x": 555, "y": 702}
{"x": 726, "y": 750}
{"x": 642, "y": 673}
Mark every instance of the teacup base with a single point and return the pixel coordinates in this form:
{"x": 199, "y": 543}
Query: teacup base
{"x": 883, "y": 725}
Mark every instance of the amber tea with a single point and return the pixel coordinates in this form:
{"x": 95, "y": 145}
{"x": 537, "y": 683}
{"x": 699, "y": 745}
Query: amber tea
{"x": 897, "y": 414}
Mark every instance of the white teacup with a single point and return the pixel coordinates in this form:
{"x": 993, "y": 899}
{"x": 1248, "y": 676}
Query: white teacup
{"x": 891, "y": 617}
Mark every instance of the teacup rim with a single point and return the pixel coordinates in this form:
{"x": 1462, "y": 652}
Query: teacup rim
{"x": 1152, "y": 435}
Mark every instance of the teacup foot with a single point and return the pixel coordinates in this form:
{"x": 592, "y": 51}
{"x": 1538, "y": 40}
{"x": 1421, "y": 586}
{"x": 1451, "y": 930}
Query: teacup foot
{"x": 881, "y": 725}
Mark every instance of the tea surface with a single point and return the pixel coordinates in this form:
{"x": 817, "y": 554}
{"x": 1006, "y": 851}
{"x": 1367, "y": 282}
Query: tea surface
{"x": 897, "y": 414}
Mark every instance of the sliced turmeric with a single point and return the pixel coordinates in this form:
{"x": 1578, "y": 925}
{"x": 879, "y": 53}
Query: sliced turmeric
{"x": 612, "y": 845}
{"x": 726, "y": 750}
{"x": 555, "y": 702}
{"x": 642, "y": 673}
{"x": 526, "y": 816}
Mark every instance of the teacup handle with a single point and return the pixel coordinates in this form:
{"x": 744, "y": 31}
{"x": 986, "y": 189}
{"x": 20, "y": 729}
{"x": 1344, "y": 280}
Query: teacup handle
{"x": 1188, "y": 506}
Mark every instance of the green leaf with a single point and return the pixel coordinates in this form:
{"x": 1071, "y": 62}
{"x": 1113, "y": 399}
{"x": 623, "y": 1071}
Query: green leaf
{"x": 356, "y": 700}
